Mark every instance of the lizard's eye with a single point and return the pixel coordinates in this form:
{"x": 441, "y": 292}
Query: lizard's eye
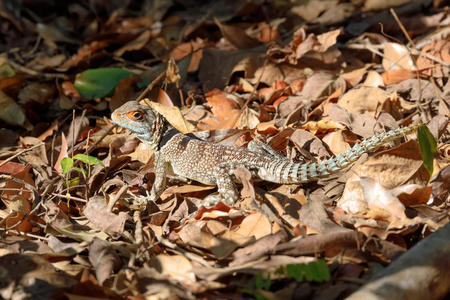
{"x": 136, "y": 115}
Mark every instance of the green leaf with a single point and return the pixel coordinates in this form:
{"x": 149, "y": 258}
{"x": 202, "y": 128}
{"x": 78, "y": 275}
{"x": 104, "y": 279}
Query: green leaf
{"x": 87, "y": 159}
{"x": 323, "y": 271}
{"x": 295, "y": 271}
{"x": 428, "y": 147}
{"x": 72, "y": 182}
{"x": 314, "y": 271}
{"x": 66, "y": 165}
{"x": 97, "y": 83}
{"x": 259, "y": 281}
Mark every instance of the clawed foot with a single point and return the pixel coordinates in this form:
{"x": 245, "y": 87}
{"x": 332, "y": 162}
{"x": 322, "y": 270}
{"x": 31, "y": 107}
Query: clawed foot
{"x": 142, "y": 201}
{"x": 213, "y": 199}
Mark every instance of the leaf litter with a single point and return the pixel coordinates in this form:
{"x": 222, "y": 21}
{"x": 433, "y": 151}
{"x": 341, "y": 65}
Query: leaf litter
{"x": 308, "y": 79}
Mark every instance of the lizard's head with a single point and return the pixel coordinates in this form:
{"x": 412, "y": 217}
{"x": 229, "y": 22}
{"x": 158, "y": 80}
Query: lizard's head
{"x": 137, "y": 118}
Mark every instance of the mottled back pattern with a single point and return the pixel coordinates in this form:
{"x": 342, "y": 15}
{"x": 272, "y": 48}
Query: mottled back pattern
{"x": 211, "y": 163}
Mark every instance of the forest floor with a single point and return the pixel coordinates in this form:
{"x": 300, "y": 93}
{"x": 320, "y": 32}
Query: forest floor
{"x": 308, "y": 78}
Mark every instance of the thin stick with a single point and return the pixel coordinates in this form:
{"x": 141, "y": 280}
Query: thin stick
{"x": 402, "y": 27}
{"x": 19, "y": 153}
{"x": 151, "y": 86}
{"x": 257, "y": 83}
{"x": 70, "y": 197}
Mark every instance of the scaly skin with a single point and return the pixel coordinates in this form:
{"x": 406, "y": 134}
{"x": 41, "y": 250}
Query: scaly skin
{"x": 214, "y": 164}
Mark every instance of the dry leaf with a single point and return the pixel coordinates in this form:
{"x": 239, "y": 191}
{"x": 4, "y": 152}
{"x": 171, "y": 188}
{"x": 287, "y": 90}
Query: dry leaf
{"x": 396, "y": 56}
{"x": 173, "y": 115}
{"x": 363, "y": 99}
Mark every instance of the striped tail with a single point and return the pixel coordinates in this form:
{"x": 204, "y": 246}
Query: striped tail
{"x": 284, "y": 171}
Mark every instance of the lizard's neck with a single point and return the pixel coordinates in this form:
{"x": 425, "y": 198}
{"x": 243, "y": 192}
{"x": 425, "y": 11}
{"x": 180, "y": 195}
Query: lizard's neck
{"x": 162, "y": 132}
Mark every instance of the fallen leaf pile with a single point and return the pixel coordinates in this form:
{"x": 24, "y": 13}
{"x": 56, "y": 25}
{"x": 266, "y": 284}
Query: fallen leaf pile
{"x": 308, "y": 78}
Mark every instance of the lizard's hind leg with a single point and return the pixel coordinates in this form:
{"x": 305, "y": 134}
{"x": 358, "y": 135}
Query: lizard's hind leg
{"x": 261, "y": 148}
{"x": 226, "y": 188}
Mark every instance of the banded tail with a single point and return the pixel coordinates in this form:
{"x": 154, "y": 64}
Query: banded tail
{"x": 284, "y": 171}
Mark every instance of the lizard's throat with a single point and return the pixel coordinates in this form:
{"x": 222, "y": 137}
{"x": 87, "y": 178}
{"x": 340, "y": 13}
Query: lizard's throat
{"x": 154, "y": 137}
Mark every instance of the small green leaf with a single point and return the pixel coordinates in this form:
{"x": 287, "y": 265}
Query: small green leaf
{"x": 295, "y": 271}
{"x": 97, "y": 83}
{"x": 309, "y": 272}
{"x": 259, "y": 281}
{"x": 66, "y": 165}
{"x": 87, "y": 159}
{"x": 314, "y": 271}
{"x": 72, "y": 182}
{"x": 323, "y": 271}
{"x": 428, "y": 147}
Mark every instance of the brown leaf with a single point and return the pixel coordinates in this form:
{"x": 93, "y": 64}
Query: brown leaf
{"x": 173, "y": 115}
{"x": 413, "y": 194}
{"x": 439, "y": 49}
{"x": 225, "y": 110}
{"x": 33, "y": 269}
{"x": 136, "y": 44}
{"x": 396, "y": 56}
{"x": 185, "y": 49}
{"x": 98, "y": 214}
{"x": 103, "y": 258}
{"x": 256, "y": 225}
{"x": 236, "y": 36}
{"x": 177, "y": 267}
{"x": 244, "y": 176}
{"x": 352, "y": 100}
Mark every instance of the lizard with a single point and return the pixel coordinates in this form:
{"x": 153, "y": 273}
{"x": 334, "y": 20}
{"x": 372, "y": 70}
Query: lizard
{"x": 213, "y": 164}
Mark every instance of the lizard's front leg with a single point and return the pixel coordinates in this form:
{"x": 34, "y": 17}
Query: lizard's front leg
{"x": 160, "y": 178}
{"x": 160, "y": 181}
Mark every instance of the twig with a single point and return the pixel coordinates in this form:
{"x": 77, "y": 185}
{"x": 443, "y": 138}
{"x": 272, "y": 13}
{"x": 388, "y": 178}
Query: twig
{"x": 70, "y": 197}
{"x": 36, "y": 73}
{"x": 138, "y": 231}
{"x": 419, "y": 85}
{"x": 402, "y": 27}
{"x": 257, "y": 83}
{"x": 113, "y": 201}
{"x": 92, "y": 147}
{"x": 151, "y": 86}
{"x": 27, "y": 234}
{"x": 19, "y": 153}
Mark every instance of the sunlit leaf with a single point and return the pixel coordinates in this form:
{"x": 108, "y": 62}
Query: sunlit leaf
{"x": 428, "y": 147}
{"x": 66, "y": 165}
{"x": 97, "y": 83}
{"x": 87, "y": 159}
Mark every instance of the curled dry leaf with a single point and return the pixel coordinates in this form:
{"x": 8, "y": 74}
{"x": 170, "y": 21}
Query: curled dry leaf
{"x": 363, "y": 99}
{"x": 365, "y": 195}
{"x": 257, "y": 225}
{"x": 396, "y": 56}
{"x": 173, "y": 115}
{"x": 34, "y": 270}
{"x": 373, "y": 79}
{"x": 136, "y": 44}
{"x": 374, "y": 180}
{"x": 439, "y": 49}
{"x": 103, "y": 258}
{"x": 197, "y": 235}
{"x": 301, "y": 44}
{"x": 177, "y": 267}
{"x": 225, "y": 109}
{"x": 98, "y": 214}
